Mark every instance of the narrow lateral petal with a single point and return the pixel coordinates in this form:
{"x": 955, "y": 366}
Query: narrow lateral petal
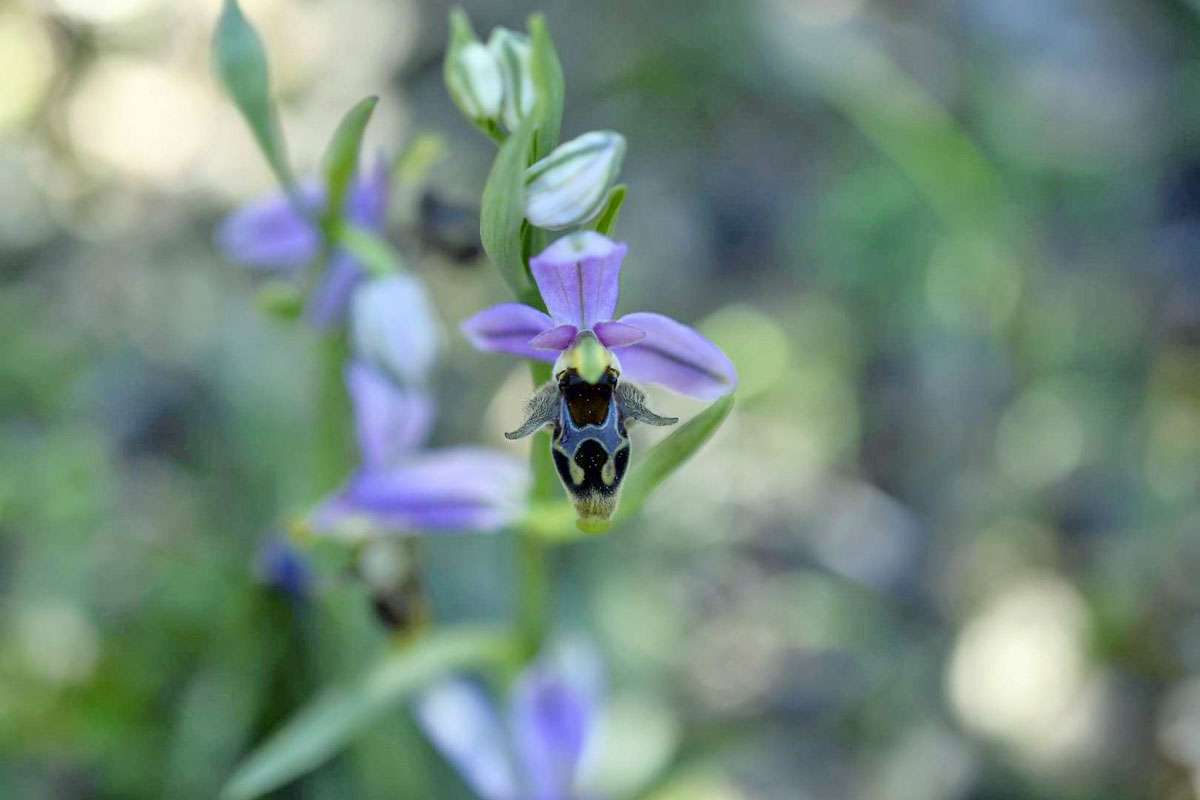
{"x": 463, "y": 725}
{"x": 457, "y": 489}
{"x": 508, "y": 328}
{"x": 618, "y": 334}
{"x": 677, "y": 357}
{"x": 554, "y": 710}
{"x": 270, "y": 234}
{"x": 579, "y": 278}
{"x": 559, "y": 338}
{"x": 390, "y": 422}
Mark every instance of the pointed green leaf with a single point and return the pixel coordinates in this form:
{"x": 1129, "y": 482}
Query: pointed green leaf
{"x": 548, "y": 81}
{"x": 241, "y": 63}
{"x": 372, "y": 250}
{"x": 668, "y": 455}
{"x": 326, "y": 725}
{"x": 503, "y": 209}
{"x": 607, "y": 221}
{"x": 341, "y": 161}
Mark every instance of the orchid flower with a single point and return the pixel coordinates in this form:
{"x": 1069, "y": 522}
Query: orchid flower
{"x": 533, "y": 747}
{"x": 401, "y": 488}
{"x": 593, "y": 396}
{"x": 578, "y": 278}
{"x": 271, "y": 235}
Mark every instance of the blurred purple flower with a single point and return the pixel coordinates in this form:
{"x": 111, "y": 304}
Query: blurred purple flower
{"x": 400, "y": 488}
{"x": 281, "y": 566}
{"x": 271, "y": 235}
{"x": 578, "y": 278}
{"x": 530, "y": 750}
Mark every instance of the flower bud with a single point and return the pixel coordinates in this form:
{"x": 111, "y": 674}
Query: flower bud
{"x": 514, "y": 54}
{"x": 568, "y": 187}
{"x": 474, "y": 81}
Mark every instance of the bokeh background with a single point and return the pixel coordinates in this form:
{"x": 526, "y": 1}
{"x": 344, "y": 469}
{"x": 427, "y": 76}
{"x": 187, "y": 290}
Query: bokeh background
{"x": 946, "y": 548}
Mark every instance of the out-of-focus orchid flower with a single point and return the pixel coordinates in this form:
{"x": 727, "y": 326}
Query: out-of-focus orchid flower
{"x": 395, "y": 329}
{"x": 532, "y": 748}
{"x": 578, "y": 278}
{"x": 273, "y": 236}
{"x": 400, "y": 488}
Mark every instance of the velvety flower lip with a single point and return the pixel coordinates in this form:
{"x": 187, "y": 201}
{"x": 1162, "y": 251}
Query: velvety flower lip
{"x": 578, "y": 277}
{"x": 531, "y": 751}
{"x": 271, "y": 235}
{"x": 401, "y": 488}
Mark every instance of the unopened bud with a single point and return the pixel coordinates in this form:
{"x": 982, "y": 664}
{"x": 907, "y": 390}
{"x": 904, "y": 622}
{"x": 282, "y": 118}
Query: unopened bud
{"x": 514, "y": 54}
{"x": 568, "y": 187}
{"x": 474, "y": 81}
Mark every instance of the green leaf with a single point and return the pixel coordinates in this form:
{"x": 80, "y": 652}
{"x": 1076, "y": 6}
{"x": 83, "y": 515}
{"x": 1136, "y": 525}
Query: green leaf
{"x": 241, "y": 63}
{"x": 670, "y": 454}
{"x": 611, "y": 211}
{"x": 374, "y": 252}
{"x": 341, "y": 161}
{"x": 417, "y": 159}
{"x": 335, "y": 717}
{"x": 503, "y": 209}
{"x": 548, "y": 81}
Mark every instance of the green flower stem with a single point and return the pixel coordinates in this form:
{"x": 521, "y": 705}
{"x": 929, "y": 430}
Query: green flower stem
{"x": 533, "y": 602}
{"x": 334, "y": 456}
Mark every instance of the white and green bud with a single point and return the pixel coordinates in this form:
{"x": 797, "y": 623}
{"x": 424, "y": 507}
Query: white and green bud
{"x": 474, "y": 82}
{"x": 569, "y": 186}
{"x": 514, "y": 55}
{"x": 472, "y": 74}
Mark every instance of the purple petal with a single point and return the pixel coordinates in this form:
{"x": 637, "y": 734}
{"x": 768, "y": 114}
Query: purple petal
{"x": 618, "y": 334}
{"x": 464, "y": 727}
{"x": 579, "y": 277}
{"x": 464, "y": 488}
{"x": 394, "y": 327}
{"x": 390, "y": 422}
{"x": 270, "y": 234}
{"x": 508, "y": 328}
{"x": 559, "y": 338}
{"x": 328, "y": 302}
{"x": 554, "y": 709}
{"x": 676, "y": 356}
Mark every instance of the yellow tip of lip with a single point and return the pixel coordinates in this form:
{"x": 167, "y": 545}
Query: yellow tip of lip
{"x": 592, "y": 524}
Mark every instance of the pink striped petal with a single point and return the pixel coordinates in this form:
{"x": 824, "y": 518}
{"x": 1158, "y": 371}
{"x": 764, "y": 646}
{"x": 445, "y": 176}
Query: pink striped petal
{"x": 508, "y": 328}
{"x": 579, "y": 278}
{"x": 677, "y": 357}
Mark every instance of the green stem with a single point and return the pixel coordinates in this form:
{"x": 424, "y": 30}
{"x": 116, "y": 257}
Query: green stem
{"x": 334, "y": 456}
{"x": 533, "y": 569}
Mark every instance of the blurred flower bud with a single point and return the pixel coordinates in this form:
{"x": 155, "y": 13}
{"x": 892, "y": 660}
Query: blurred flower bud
{"x": 281, "y": 299}
{"x": 394, "y": 328}
{"x": 568, "y": 187}
{"x": 474, "y": 81}
{"x": 514, "y": 54}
